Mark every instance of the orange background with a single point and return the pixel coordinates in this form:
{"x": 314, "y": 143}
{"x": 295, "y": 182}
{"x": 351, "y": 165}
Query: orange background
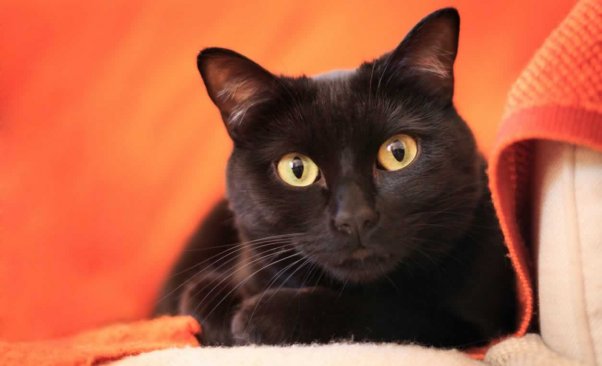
{"x": 110, "y": 150}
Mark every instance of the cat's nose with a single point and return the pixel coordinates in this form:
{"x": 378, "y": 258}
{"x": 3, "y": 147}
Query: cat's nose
{"x": 355, "y": 222}
{"x": 354, "y": 211}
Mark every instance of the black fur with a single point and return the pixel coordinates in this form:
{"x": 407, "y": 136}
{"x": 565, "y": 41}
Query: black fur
{"x": 425, "y": 264}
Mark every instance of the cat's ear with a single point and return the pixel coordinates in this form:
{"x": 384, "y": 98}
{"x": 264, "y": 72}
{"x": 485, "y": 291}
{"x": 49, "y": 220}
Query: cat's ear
{"x": 427, "y": 53}
{"x": 234, "y": 83}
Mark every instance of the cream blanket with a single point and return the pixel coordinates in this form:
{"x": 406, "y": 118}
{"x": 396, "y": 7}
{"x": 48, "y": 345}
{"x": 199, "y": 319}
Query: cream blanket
{"x": 526, "y": 351}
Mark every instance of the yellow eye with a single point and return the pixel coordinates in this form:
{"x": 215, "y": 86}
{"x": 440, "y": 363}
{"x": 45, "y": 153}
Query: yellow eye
{"x": 297, "y": 170}
{"x": 397, "y": 152}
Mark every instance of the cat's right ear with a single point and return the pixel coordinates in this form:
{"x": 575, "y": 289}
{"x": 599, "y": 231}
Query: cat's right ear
{"x": 426, "y": 56}
{"x": 234, "y": 83}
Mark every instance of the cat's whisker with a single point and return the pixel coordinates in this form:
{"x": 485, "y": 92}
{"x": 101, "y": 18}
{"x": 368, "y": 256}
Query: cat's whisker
{"x": 389, "y": 279}
{"x": 281, "y": 241}
{"x": 259, "y": 243}
{"x": 342, "y": 288}
{"x": 304, "y": 261}
{"x": 319, "y": 277}
{"x": 244, "y": 281}
{"x": 255, "y": 258}
{"x": 231, "y": 253}
{"x": 275, "y": 243}
{"x": 370, "y": 85}
{"x": 276, "y": 277}
{"x": 310, "y": 272}
{"x": 383, "y": 72}
{"x": 276, "y": 240}
{"x": 274, "y": 252}
{"x": 216, "y": 283}
{"x": 243, "y": 242}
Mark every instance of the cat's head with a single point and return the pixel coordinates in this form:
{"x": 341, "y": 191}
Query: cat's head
{"x": 372, "y": 166}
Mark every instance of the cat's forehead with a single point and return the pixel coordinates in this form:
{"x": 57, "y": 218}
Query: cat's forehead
{"x": 334, "y": 91}
{"x": 333, "y": 75}
{"x": 334, "y": 108}
{"x": 332, "y": 116}
{"x": 335, "y": 86}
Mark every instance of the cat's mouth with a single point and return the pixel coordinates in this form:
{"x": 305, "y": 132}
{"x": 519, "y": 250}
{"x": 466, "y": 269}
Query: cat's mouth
{"x": 362, "y": 265}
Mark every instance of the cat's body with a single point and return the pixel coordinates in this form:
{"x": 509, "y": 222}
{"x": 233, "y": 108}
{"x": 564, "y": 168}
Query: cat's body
{"x": 327, "y": 236}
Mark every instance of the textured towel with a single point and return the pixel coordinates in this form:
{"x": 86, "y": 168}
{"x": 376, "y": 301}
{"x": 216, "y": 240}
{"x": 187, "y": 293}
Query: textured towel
{"x": 105, "y": 344}
{"x": 338, "y": 354}
{"x": 525, "y": 351}
{"x": 558, "y": 97}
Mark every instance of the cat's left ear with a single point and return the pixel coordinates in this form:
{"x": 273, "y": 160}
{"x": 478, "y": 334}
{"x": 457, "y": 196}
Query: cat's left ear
{"x": 427, "y": 54}
{"x": 235, "y": 84}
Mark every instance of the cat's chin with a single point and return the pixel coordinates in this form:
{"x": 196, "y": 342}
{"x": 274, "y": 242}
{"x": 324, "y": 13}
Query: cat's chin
{"x": 362, "y": 270}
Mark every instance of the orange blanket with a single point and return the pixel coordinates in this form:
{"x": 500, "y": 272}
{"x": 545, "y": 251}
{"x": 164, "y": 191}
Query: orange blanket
{"x": 558, "y": 97}
{"x": 105, "y": 344}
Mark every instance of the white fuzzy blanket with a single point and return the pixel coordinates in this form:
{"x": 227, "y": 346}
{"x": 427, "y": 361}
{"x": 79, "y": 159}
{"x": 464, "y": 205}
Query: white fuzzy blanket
{"x": 526, "y": 351}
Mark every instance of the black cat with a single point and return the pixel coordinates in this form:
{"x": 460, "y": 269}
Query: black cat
{"x": 357, "y": 208}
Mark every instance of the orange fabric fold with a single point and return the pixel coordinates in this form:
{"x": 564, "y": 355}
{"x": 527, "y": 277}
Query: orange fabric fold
{"x": 557, "y": 97}
{"x": 104, "y": 344}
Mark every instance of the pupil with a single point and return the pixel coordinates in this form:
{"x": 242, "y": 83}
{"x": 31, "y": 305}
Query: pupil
{"x": 398, "y": 150}
{"x": 297, "y": 167}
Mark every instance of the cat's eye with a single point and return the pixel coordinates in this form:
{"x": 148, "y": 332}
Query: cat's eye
{"x": 297, "y": 170}
{"x": 397, "y": 152}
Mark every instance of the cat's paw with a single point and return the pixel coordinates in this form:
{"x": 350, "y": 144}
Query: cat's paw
{"x": 285, "y": 316}
{"x": 264, "y": 318}
{"x": 211, "y": 300}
